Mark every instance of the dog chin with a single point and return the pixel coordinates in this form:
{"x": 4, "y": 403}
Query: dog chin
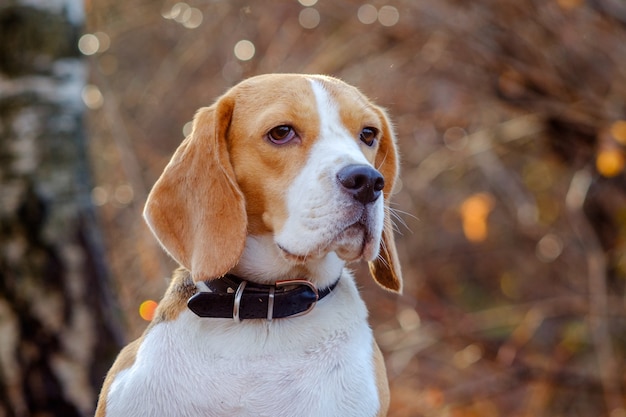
{"x": 355, "y": 243}
{"x": 352, "y": 244}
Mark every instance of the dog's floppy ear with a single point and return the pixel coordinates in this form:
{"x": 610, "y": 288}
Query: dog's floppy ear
{"x": 196, "y": 209}
{"x": 385, "y": 269}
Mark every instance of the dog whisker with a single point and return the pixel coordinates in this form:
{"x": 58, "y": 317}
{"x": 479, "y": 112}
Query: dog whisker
{"x": 395, "y": 218}
{"x": 380, "y": 257}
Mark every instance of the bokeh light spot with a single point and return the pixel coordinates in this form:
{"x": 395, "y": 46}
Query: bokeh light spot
{"x": 244, "y": 50}
{"x": 367, "y": 14}
{"x": 124, "y": 194}
{"x": 92, "y": 97}
{"x": 610, "y": 162}
{"x": 307, "y": 3}
{"x": 618, "y": 131}
{"x": 309, "y": 18}
{"x": 88, "y": 44}
{"x": 104, "y": 41}
{"x": 232, "y": 71}
{"x": 177, "y": 11}
{"x": 455, "y": 138}
{"x": 192, "y": 18}
{"x": 538, "y": 175}
{"x": 168, "y": 12}
{"x": 434, "y": 397}
{"x": 549, "y": 248}
{"x": 474, "y": 213}
{"x": 509, "y": 285}
{"x": 187, "y": 128}
{"x": 147, "y": 309}
{"x": 468, "y": 356}
{"x": 99, "y": 196}
{"x": 409, "y": 319}
{"x": 388, "y": 15}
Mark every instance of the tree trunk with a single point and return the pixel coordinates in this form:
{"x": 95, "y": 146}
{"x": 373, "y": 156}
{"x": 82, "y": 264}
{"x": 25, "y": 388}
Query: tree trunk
{"x": 55, "y": 303}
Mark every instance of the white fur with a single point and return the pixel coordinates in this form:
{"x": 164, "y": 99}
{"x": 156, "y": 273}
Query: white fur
{"x": 319, "y": 210}
{"x": 263, "y": 262}
{"x": 319, "y": 364}
{"x": 315, "y": 365}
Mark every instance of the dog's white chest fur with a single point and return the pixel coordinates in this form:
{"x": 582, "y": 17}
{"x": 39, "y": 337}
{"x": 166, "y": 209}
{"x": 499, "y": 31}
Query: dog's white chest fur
{"x": 319, "y": 365}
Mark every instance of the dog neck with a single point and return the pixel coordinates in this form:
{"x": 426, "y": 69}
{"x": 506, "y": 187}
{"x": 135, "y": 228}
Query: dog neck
{"x": 263, "y": 262}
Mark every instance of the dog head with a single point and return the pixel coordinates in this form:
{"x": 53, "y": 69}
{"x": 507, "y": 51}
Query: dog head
{"x": 305, "y": 159}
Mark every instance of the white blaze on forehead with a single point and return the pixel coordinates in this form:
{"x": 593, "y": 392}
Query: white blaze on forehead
{"x": 333, "y": 136}
{"x": 318, "y": 208}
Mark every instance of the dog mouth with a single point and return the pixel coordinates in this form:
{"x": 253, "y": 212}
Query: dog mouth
{"x": 352, "y": 243}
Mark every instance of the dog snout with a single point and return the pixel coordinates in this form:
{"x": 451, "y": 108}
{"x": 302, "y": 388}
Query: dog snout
{"x": 362, "y": 181}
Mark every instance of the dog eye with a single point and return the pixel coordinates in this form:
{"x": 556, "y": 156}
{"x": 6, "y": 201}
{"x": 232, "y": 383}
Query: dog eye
{"x": 368, "y": 135}
{"x": 281, "y": 134}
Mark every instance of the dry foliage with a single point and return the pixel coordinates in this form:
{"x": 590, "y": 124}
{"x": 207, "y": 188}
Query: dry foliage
{"x": 510, "y": 115}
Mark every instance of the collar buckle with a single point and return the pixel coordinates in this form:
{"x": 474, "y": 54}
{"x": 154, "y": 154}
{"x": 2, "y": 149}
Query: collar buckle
{"x": 297, "y": 282}
{"x": 272, "y": 291}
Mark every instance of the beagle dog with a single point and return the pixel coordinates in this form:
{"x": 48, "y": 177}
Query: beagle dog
{"x": 281, "y": 183}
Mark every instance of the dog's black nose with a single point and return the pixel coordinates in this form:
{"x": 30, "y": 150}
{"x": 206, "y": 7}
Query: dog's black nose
{"x": 362, "y": 181}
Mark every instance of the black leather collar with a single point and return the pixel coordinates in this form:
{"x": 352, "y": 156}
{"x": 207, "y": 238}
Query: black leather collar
{"x": 233, "y": 297}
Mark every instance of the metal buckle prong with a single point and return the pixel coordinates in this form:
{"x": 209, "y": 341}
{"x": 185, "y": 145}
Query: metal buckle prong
{"x": 237, "y": 303}
{"x": 287, "y": 282}
{"x": 270, "y": 304}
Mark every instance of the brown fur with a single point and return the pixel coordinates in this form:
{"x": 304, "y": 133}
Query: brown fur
{"x": 199, "y": 186}
{"x": 381, "y": 381}
{"x": 124, "y": 360}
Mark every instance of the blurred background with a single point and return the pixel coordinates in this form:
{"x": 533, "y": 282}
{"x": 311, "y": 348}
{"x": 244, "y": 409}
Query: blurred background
{"x": 511, "y": 120}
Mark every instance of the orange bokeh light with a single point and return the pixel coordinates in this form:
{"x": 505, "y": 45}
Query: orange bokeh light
{"x": 474, "y": 212}
{"x": 147, "y": 309}
{"x": 610, "y": 162}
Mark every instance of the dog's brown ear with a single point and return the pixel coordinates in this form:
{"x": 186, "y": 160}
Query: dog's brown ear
{"x": 385, "y": 269}
{"x": 196, "y": 209}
